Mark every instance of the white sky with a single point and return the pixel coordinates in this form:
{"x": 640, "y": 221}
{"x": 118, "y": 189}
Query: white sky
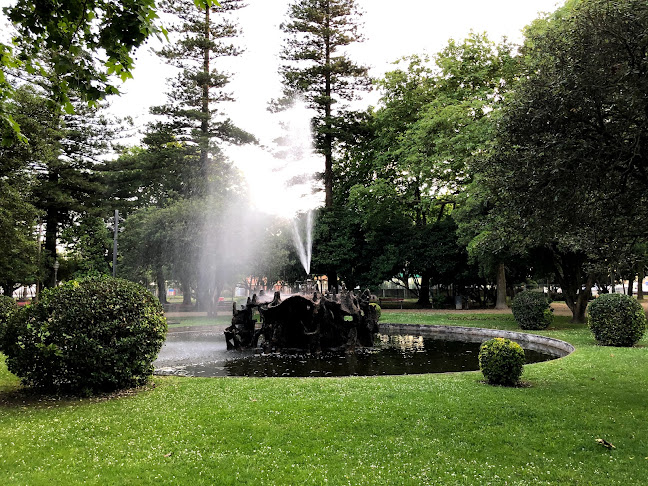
{"x": 392, "y": 29}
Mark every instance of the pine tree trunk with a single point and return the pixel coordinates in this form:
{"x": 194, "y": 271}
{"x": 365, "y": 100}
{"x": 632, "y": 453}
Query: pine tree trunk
{"x": 204, "y": 124}
{"x": 51, "y": 235}
{"x": 500, "y": 300}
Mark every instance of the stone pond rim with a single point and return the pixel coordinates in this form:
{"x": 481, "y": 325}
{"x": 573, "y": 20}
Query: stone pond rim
{"x": 477, "y": 334}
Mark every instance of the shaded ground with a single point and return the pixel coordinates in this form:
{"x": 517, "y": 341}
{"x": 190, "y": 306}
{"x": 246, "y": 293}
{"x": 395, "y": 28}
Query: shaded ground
{"x": 560, "y": 309}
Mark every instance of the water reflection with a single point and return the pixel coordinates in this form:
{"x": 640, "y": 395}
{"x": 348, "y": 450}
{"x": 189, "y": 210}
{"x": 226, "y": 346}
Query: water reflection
{"x": 204, "y": 353}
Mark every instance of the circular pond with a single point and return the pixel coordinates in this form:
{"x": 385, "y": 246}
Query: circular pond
{"x": 399, "y": 350}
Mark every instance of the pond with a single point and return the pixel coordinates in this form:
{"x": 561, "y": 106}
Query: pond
{"x": 202, "y": 352}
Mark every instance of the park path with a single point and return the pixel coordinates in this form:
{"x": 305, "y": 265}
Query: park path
{"x": 560, "y": 309}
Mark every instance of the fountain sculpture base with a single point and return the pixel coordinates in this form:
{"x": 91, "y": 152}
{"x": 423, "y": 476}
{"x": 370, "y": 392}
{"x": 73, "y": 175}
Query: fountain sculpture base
{"x": 302, "y": 323}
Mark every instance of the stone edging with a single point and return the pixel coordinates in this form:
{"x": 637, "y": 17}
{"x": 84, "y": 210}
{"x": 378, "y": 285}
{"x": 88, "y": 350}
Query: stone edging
{"x": 476, "y": 334}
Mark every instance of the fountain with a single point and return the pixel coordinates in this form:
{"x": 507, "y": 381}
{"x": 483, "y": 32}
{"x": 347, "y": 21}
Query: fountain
{"x": 310, "y": 323}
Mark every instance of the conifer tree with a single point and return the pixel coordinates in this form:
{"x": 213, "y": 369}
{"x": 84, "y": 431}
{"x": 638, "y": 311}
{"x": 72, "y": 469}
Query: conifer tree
{"x": 316, "y": 68}
{"x": 200, "y": 35}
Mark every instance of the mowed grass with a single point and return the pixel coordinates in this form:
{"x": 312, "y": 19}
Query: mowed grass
{"x": 404, "y": 430}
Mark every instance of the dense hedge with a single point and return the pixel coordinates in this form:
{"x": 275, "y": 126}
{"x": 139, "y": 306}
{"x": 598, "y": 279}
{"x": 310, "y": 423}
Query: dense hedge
{"x": 7, "y": 307}
{"x": 501, "y": 361}
{"x": 88, "y": 336}
{"x": 616, "y": 320}
{"x": 531, "y": 310}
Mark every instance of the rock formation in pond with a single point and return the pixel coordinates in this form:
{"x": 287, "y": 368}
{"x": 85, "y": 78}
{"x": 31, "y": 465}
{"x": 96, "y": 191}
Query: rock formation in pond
{"x": 305, "y": 323}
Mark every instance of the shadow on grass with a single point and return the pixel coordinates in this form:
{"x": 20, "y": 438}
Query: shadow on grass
{"x": 25, "y": 397}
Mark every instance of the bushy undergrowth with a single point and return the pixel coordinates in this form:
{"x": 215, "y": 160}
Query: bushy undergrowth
{"x": 501, "y": 361}
{"x": 7, "y": 307}
{"x": 87, "y": 336}
{"x": 531, "y": 310}
{"x": 616, "y": 320}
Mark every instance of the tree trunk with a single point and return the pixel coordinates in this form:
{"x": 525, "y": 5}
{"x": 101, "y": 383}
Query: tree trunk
{"x": 500, "y": 301}
{"x": 424, "y": 291}
{"x": 161, "y": 286}
{"x": 204, "y": 109}
{"x": 328, "y": 136}
{"x": 51, "y": 235}
{"x": 332, "y": 280}
{"x": 640, "y": 278}
{"x": 7, "y": 288}
{"x": 186, "y": 293}
{"x": 576, "y": 284}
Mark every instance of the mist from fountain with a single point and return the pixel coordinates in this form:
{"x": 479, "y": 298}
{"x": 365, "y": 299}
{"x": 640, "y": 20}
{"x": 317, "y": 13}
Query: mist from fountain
{"x": 281, "y": 173}
{"x": 304, "y": 246}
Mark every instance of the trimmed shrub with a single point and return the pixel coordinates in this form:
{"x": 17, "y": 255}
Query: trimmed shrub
{"x": 616, "y": 320}
{"x": 531, "y": 310}
{"x": 7, "y": 307}
{"x": 378, "y": 310}
{"x": 501, "y": 361}
{"x": 93, "y": 335}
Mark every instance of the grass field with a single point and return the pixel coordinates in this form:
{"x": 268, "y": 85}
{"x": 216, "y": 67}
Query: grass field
{"x": 405, "y": 430}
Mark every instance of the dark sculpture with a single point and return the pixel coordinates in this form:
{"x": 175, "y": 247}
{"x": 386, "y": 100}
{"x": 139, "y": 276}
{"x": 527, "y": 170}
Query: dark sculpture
{"x": 305, "y": 323}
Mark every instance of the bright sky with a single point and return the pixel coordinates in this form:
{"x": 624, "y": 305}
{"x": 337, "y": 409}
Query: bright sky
{"x": 392, "y": 29}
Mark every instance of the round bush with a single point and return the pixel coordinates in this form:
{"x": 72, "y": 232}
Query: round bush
{"x": 7, "y": 307}
{"x": 616, "y": 320}
{"x": 93, "y": 335}
{"x": 501, "y": 361}
{"x": 531, "y": 310}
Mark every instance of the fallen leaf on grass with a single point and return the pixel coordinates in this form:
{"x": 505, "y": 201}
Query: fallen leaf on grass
{"x": 605, "y": 443}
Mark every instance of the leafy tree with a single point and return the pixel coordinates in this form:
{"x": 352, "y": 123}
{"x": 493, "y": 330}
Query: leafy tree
{"x": 433, "y": 122}
{"x": 161, "y": 170}
{"x": 92, "y": 41}
{"x": 570, "y": 171}
{"x": 89, "y": 245}
{"x": 59, "y": 162}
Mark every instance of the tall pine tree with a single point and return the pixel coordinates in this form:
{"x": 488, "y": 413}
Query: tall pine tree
{"x": 316, "y": 68}
{"x": 200, "y": 35}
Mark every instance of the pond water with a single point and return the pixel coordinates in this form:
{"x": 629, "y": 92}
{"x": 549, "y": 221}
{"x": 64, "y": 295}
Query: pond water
{"x": 204, "y": 353}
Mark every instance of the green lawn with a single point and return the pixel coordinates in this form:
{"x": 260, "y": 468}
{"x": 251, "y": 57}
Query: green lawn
{"x": 427, "y": 429}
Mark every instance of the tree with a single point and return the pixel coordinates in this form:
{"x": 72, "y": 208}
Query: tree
{"x": 433, "y": 122}
{"x": 570, "y": 173}
{"x": 192, "y": 107}
{"x": 317, "y": 70}
{"x": 93, "y": 40}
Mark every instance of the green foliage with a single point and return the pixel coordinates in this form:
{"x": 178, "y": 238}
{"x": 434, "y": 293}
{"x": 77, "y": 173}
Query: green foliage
{"x": 378, "y": 309}
{"x": 317, "y": 69}
{"x": 7, "y": 308}
{"x": 567, "y": 172}
{"x": 531, "y": 310}
{"x": 616, "y": 320}
{"x": 501, "y": 361}
{"x": 87, "y": 336}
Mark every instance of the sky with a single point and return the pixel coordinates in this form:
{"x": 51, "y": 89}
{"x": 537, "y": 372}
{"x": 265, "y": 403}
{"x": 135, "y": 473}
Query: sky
{"x": 392, "y": 29}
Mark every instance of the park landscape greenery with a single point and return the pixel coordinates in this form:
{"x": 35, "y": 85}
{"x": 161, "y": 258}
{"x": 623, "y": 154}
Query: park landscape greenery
{"x": 486, "y": 166}
{"x": 482, "y": 169}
